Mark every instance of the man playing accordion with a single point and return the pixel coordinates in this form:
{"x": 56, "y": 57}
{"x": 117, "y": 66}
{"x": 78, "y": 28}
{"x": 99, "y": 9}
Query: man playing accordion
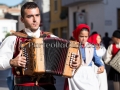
{"x": 11, "y": 55}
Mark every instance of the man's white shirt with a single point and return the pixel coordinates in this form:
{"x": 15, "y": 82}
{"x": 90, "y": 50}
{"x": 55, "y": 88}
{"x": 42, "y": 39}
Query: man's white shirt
{"x": 108, "y": 55}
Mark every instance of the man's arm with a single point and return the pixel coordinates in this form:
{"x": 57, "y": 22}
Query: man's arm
{"x": 6, "y": 52}
{"x": 108, "y": 55}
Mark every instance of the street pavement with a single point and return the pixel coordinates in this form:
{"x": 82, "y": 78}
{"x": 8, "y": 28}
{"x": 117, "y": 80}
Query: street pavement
{"x": 59, "y": 81}
{"x": 3, "y": 83}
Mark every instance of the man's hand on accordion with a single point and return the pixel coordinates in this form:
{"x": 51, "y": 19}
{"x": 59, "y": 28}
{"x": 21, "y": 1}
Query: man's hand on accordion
{"x": 75, "y": 61}
{"x": 19, "y": 61}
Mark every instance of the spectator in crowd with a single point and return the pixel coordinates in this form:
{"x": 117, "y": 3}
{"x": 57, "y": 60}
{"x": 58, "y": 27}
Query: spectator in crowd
{"x": 106, "y": 40}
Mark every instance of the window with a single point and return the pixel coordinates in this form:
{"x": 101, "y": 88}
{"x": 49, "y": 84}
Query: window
{"x": 64, "y": 33}
{"x": 55, "y": 31}
{"x": 55, "y": 5}
{"x": 4, "y": 29}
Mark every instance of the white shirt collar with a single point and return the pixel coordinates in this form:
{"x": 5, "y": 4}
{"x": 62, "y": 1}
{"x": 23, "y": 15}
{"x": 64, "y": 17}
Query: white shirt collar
{"x": 118, "y": 45}
{"x": 33, "y": 34}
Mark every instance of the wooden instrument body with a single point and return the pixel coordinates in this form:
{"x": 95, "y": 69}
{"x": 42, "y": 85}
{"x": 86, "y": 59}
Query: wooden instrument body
{"x": 46, "y": 57}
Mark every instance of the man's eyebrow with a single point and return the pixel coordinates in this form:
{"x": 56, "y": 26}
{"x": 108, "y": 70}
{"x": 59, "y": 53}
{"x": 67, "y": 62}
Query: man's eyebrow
{"x": 32, "y": 14}
{"x": 29, "y": 15}
{"x": 37, "y": 14}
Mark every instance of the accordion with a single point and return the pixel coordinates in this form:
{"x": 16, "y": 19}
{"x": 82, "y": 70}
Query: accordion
{"x": 49, "y": 55}
{"x": 115, "y": 62}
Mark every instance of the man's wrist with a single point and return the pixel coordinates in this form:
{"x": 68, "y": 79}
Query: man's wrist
{"x": 11, "y": 62}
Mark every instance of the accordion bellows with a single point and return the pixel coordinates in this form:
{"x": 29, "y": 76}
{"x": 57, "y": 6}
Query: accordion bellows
{"x": 115, "y": 62}
{"x": 49, "y": 55}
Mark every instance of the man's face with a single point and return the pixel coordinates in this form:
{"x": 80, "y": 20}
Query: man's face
{"x": 83, "y": 36}
{"x": 31, "y": 19}
{"x": 115, "y": 40}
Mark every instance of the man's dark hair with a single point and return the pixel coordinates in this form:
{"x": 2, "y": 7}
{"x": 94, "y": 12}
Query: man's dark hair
{"x": 28, "y": 5}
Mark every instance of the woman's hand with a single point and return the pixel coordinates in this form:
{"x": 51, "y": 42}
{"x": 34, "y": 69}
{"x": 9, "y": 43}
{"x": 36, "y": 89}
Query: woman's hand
{"x": 100, "y": 70}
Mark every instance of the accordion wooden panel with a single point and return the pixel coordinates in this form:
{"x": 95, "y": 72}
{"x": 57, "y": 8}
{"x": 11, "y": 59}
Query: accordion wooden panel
{"x": 49, "y": 55}
{"x": 115, "y": 62}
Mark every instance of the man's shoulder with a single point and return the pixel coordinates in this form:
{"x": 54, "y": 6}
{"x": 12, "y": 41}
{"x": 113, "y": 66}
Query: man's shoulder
{"x": 11, "y": 37}
{"x": 48, "y": 33}
{"x": 9, "y": 40}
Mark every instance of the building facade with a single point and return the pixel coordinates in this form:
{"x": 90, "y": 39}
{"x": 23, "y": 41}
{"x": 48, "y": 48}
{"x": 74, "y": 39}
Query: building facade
{"x": 6, "y": 25}
{"x": 59, "y": 19}
{"x": 44, "y": 6}
{"x": 101, "y": 15}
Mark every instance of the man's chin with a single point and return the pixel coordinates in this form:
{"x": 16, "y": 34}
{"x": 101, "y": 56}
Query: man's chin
{"x": 34, "y": 29}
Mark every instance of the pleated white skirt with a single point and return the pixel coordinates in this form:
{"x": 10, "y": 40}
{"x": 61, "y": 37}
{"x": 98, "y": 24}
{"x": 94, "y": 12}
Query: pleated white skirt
{"x": 102, "y": 79}
{"x": 84, "y": 79}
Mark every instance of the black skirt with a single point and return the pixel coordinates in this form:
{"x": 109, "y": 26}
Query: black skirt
{"x": 45, "y": 87}
{"x": 113, "y": 75}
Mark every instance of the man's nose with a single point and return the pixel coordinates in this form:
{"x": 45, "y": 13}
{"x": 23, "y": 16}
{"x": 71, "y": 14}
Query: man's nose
{"x": 34, "y": 19}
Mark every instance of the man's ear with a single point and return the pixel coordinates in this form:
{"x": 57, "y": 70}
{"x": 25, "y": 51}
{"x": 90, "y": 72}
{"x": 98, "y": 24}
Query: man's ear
{"x": 22, "y": 20}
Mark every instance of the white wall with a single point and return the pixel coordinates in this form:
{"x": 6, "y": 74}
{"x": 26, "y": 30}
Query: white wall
{"x": 102, "y": 14}
{"x": 20, "y": 24}
{"x": 111, "y": 15}
{"x": 94, "y": 13}
{"x": 6, "y": 25}
{"x": 46, "y": 6}
{"x": 1, "y": 13}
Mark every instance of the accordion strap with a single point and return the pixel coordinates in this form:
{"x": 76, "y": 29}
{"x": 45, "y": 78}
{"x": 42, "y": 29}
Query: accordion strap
{"x": 24, "y": 35}
{"x": 20, "y": 34}
{"x": 47, "y": 33}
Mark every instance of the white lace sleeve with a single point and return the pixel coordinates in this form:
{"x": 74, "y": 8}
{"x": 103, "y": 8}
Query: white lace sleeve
{"x": 108, "y": 55}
